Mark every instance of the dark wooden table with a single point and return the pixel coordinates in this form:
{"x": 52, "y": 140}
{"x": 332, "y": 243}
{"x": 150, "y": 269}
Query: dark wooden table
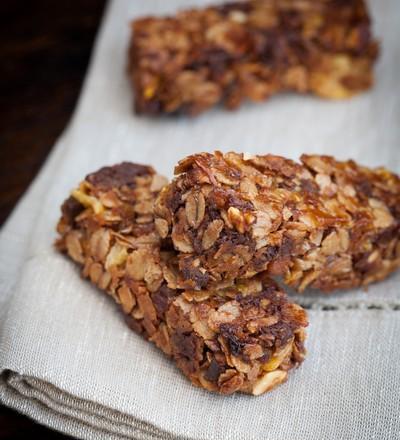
{"x": 44, "y": 50}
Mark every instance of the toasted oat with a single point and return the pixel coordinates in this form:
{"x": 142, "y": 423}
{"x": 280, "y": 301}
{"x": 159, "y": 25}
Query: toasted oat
{"x": 211, "y": 233}
{"x": 195, "y": 208}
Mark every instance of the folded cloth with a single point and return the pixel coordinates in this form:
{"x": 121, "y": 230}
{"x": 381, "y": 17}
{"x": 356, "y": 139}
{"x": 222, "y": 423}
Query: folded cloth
{"x": 66, "y": 357}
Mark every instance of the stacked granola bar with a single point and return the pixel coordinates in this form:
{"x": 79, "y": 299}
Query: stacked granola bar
{"x": 319, "y": 223}
{"x": 190, "y": 261}
{"x": 250, "y": 50}
{"x": 242, "y": 338}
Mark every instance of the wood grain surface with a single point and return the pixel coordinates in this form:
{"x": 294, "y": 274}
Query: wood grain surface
{"x": 45, "y": 48}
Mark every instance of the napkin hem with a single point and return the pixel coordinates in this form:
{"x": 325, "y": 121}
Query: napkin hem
{"x": 59, "y": 410}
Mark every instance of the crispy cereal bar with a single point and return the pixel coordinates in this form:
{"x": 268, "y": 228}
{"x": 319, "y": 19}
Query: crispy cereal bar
{"x": 250, "y": 50}
{"x": 243, "y": 338}
{"x": 322, "y": 223}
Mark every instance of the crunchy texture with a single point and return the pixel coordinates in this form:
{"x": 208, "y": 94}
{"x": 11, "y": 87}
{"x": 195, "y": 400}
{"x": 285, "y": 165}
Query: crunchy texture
{"x": 322, "y": 223}
{"x": 250, "y": 50}
{"x": 244, "y": 338}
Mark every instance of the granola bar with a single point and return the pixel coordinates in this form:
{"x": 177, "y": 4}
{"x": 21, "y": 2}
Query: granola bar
{"x": 319, "y": 223}
{"x": 119, "y": 199}
{"x": 250, "y": 50}
{"x": 245, "y": 338}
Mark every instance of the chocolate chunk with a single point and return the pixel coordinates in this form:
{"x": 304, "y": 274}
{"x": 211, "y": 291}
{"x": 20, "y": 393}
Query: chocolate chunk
{"x": 70, "y": 209}
{"x": 118, "y": 175}
{"x": 162, "y": 299}
{"x": 213, "y": 371}
{"x": 186, "y": 345}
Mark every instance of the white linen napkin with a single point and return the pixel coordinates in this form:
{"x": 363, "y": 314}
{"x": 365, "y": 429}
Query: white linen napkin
{"x": 66, "y": 357}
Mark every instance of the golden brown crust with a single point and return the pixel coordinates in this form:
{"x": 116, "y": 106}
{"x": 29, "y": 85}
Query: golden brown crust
{"x": 244, "y": 338}
{"x": 250, "y": 50}
{"x": 322, "y": 223}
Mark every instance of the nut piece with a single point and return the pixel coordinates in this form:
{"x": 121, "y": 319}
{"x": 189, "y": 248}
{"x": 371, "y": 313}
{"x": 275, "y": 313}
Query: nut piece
{"x": 268, "y": 381}
{"x": 237, "y": 219}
